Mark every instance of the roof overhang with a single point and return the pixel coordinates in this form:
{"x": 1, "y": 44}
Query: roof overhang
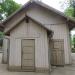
{"x": 24, "y": 18}
{"x": 70, "y": 21}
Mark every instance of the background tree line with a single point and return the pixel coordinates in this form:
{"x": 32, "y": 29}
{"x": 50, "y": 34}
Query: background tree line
{"x": 7, "y": 7}
{"x": 70, "y": 11}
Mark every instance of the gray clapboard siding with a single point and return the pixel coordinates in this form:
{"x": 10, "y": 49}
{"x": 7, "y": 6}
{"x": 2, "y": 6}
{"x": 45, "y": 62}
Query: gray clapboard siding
{"x": 5, "y": 50}
{"x": 29, "y": 31}
{"x": 55, "y": 23}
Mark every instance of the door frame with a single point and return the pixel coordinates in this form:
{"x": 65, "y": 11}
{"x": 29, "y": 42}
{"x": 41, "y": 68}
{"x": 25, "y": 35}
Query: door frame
{"x": 22, "y": 53}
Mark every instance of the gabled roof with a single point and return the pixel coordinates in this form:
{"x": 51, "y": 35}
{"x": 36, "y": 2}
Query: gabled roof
{"x": 41, "y": 4}
{"x": 27, "y": 17}
{"x": 70, "y": 20}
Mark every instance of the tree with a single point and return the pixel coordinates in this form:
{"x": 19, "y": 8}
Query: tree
{"x": 70, "y": 11}
{"x": 7, "y": 7}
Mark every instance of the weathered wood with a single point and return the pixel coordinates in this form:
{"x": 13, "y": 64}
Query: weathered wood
{"x": 57, "y": 52}
{"x": 28, "y": 62}
{"x": 29, "y": 30}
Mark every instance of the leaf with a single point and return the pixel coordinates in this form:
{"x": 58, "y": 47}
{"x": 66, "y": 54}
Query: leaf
{"x": 7, "y": 7}
{"x": 70, "y": 11}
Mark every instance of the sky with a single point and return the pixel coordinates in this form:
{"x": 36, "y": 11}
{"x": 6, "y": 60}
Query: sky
{"x": 54, "y": 3}
{"x": 58, "y": 4}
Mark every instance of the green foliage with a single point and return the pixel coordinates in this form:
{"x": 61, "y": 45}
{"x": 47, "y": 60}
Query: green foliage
{"x": 72, "y": 3}
{"x": 74, "y": 40}
{"x": 70, "y": 11}
{"x": 7, "y": 7}
{"x": 73, "y": 50}
{"x": 73, "y": 44}
{"x": 1, "y": 34}
{"x": 1, "y": 38}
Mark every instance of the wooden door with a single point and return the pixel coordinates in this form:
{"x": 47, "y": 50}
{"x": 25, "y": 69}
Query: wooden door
{"x": 57, "y": 52}
{"x": 28, "y": 47}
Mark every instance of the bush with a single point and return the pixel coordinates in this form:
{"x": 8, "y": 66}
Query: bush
{"x": 73, "y": 50}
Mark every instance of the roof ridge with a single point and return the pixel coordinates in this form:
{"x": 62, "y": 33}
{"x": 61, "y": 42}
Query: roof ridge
{"x": 43, "y": 5}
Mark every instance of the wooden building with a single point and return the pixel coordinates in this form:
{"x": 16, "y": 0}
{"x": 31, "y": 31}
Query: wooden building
{"x": 38, "y": 37}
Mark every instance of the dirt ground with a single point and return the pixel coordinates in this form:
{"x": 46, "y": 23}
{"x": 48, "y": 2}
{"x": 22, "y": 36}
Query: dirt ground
{"x": 4, "y": 71}
{"x": 67, "y": 70}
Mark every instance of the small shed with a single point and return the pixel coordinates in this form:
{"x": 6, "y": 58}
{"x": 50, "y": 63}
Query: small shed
{"x": 38, "y": 37}
{"x": 28, "y": 46}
